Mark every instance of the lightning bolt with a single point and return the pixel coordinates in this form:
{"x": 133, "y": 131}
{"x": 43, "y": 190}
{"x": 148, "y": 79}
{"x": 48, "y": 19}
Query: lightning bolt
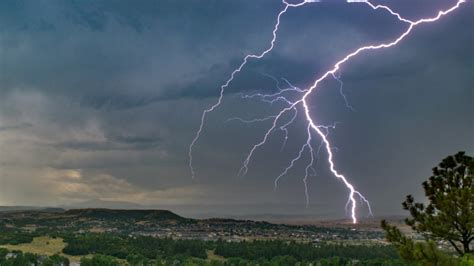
{"x": 302, "y": 102}
{"x": 237, "y": 70}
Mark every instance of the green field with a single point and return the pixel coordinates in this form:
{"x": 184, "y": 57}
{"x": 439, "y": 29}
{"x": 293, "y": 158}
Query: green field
{"x": 43, "y": 245}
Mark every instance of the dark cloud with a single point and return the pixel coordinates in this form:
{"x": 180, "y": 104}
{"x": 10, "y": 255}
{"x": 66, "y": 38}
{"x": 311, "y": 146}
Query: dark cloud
{"x": 132, "y": 53}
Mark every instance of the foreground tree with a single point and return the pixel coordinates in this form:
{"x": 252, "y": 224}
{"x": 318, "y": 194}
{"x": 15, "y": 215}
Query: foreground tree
{"x": 449, "y": 215}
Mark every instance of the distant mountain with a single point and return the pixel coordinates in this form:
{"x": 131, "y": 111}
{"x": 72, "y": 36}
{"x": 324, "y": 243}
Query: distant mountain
{"x": 18, "y": 208}
{"x": 103, "y": 204}
{"x": 121, "y": 214}
{"x": 95, "y": 218}
{"x": 51, "y": 209}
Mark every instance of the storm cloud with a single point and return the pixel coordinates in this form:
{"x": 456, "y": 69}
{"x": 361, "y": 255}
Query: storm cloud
{"x": 100, "y": 100}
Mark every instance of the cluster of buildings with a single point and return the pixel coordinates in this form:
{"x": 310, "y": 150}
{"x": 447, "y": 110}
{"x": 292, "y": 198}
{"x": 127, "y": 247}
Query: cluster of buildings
{"x": 233, "y": 230}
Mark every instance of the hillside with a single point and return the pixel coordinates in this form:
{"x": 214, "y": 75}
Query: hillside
{"x": 114, "y": 214}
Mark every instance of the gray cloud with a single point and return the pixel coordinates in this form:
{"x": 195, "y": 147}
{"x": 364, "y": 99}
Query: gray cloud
{"x": 15, "y": 127}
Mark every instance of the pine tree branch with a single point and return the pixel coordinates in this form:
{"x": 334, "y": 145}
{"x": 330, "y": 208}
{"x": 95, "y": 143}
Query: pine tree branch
{"x": 456, "y": 247}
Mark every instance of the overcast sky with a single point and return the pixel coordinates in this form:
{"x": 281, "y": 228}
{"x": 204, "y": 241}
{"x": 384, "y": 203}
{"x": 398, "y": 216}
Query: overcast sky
{"x": 99, "y": 100}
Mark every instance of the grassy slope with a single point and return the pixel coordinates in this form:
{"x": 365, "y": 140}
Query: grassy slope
{"x": 43, "y": 245}
{"x": 212, "y": 256}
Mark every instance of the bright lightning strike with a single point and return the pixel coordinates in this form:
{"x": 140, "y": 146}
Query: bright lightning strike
{"x": 302, "y": 102}
{"x": 237, "y": 70}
